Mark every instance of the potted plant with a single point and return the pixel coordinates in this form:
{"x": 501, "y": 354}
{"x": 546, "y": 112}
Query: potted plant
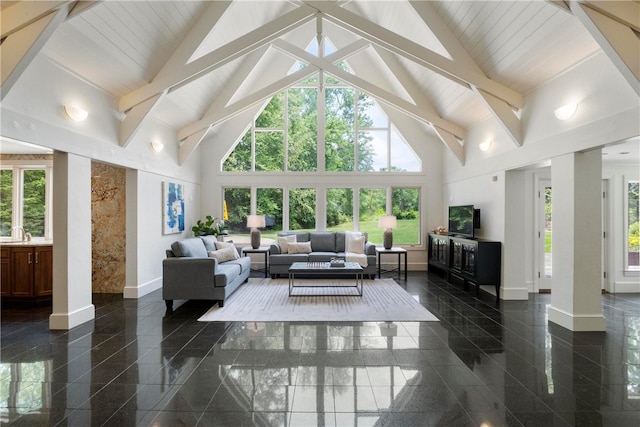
{"x": 209, "y": 227}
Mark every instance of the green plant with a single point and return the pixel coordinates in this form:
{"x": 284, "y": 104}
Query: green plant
{"x": 208, "y": 228}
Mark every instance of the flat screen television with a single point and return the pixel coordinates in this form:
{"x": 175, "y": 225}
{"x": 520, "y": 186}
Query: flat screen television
{"x": 461, "y": 220}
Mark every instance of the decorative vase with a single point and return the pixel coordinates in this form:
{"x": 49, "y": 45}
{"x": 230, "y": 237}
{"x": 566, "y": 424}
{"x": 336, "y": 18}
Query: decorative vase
{"x": 387, "y": 239}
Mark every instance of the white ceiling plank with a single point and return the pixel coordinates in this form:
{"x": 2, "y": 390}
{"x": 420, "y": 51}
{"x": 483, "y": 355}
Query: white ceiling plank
{"x": 415, "y": 52}
{"x": 139, "y": 113}
{"x": 197, "y": 34}
{"x": 617, "y": 40}
{"x": 382, "y": 95}
{"x": 20, "y": 47}
{"x": 246, "y": 103}
{"x": 505, "y": 116}
{"x": 433, "y": 20}
{"x": 223, "y": 55}
{"x": 135, "y": 117}
{"x": 452, "y": 143}
{"x": 23, "y": 13}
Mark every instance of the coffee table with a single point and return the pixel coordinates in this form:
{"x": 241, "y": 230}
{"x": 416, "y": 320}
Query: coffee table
{"x": 324, "y": 269}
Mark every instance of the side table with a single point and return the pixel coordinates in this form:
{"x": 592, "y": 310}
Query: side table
{"x": 246, "y": 250}
{"x": 393, "y": 251}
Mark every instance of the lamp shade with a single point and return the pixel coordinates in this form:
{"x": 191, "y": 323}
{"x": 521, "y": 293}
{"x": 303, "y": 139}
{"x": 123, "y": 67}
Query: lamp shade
{"x": 388, "y": 221}
{"x": 255, "y": 221}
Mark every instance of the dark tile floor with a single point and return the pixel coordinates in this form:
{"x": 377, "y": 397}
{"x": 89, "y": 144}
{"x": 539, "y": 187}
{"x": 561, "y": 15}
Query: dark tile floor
{"x": 484, "y": 364}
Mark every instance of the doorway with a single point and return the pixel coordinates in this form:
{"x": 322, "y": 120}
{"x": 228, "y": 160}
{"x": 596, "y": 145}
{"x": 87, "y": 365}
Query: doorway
{"x": 544, "y": 236}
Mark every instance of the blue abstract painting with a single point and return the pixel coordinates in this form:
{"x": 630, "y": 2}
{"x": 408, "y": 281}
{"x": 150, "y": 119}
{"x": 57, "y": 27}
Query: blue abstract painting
{"x": 173, "y": 207}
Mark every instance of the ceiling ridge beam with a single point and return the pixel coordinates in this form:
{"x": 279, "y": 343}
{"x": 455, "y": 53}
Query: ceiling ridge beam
{"x": 140, "y": 112}
{"x": 381, "y": 94}
{"x": 242, "y": 105}
{"x": 500, "y": 109}
{"x": 21, "y": 46}
{"x": 618, "y": 41}
{"x": 415, "y": 52}
{"x": 221, "y": 56}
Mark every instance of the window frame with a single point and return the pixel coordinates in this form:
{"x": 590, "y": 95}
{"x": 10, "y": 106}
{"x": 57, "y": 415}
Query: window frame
{"x": 18, "y": 167}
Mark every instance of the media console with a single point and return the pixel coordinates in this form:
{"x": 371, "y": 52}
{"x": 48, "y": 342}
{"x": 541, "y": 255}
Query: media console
{"x": 475, "y": 261}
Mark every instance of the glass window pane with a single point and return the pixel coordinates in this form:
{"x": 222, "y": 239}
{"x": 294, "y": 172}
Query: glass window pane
{"x": 273, "y": 114}
{"x": 270, "y": 151}
{"x": 372, "y": 151}
{"x": 302, "y": 209}
{"x": 303, "y": 129}
{"x": 240, "y": 158}
{"x": 339, "y": 209}
{"x": 269, "y": 203}
{"x": 372, "y": 206}
{"x": 403, "y": 158}
{"x": 238, "y": 202}
{"x": 369, "y": 113}
{"x": 6, "y": 202}
{"x": 339, "y": 129}
{"x": 406, "y": 208}
{"x": 34, "y": 202}
{"x": 633, "y": 233}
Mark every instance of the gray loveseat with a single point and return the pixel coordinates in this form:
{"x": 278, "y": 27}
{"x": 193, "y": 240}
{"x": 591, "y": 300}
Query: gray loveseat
{"x": 189, "y": 273}
{"x": 325, "y": 245}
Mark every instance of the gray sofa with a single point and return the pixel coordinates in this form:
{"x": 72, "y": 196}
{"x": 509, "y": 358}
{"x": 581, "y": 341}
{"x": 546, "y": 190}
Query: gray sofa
{"x": 325, "y": 245}
{"x": 189, "y": 273}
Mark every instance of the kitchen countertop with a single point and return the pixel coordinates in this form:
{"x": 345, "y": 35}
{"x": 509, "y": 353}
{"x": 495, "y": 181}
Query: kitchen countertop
{"x": 34, "y": 242}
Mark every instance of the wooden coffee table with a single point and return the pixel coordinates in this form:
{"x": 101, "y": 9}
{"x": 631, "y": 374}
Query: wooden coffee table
{"x": 324, "y": 269}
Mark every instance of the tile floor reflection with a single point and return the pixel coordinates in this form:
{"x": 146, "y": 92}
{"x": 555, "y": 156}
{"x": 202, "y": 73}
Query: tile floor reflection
{"x": 484, "y": 364}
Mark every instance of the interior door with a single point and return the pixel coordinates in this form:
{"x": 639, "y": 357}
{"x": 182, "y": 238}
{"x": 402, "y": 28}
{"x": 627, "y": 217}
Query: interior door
{"x": 544, "y": 236}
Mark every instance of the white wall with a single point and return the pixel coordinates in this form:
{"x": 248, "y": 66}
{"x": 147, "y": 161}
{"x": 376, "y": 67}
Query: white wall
{"x": 33, "y": 112}
{"x": 608, "y": 112}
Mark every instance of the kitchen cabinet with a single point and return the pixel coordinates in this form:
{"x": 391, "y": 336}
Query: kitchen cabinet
{"x": 27, "y": 271}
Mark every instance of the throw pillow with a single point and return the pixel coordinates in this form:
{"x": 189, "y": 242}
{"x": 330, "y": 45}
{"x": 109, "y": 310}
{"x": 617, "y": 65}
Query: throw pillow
{"x": 300, "y": 247}
{"x": 223, "y": 255}
{"x": 225, "y": 245}
{"x": 284, "y": 241}
{"x": 355, "y": 243}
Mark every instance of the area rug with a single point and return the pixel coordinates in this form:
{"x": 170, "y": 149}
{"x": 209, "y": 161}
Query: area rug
{"x": 267, "y": 300}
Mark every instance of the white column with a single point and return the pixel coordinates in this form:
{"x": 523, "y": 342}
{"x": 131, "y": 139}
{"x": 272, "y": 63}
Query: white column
{"x": 72, "y": 241}
{"x": 513, "y": 285}
{"x": 576, "y": 298}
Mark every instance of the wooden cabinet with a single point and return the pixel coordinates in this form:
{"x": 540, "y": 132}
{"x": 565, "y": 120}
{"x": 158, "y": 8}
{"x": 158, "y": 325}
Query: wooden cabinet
{"x": 474, "y": 261}
{"x": 27, "y": 271}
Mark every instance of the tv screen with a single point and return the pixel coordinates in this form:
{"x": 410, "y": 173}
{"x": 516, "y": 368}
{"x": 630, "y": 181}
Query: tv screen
{"x": 461, "y": 220}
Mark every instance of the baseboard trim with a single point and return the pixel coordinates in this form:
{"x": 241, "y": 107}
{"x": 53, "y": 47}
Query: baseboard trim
{"x": 514, "y": 294}
{"x": 577, "y": 323}
{"x": 134, "y": 292}
{"x": 66, "y": 321}
{"x": 624, "y": 287}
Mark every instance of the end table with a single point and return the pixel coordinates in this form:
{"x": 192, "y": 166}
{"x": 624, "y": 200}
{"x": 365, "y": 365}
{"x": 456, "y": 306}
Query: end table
{"x": 393, "y": 251}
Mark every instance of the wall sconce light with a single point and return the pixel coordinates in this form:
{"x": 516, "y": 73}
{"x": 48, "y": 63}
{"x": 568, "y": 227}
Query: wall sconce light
{"x": 485, "y": 145}
{"x": 75, "y": 113}
{"x": 157, "y": 146}
{"x": 566, "y": 111}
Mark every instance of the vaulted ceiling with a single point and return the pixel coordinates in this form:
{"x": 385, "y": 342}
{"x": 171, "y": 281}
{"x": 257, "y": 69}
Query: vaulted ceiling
{"x": 194, "y": 65}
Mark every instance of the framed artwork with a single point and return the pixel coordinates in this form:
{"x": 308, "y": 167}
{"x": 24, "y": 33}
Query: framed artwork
{"x": 172, "y": 208}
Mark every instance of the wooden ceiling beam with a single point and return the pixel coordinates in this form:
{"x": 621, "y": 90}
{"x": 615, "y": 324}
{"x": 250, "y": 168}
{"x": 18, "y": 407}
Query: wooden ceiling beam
{"x": 382, "y": 95}
{"x": 617, "y": 38}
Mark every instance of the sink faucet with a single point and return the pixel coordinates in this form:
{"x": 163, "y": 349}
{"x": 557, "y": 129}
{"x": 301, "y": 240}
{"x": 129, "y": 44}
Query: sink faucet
{"x": 24, "y": 235}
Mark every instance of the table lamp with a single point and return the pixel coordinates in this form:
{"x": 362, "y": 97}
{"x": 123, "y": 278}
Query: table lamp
{"x": 253, "y": 222}
{"x": 387, "y": 222}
